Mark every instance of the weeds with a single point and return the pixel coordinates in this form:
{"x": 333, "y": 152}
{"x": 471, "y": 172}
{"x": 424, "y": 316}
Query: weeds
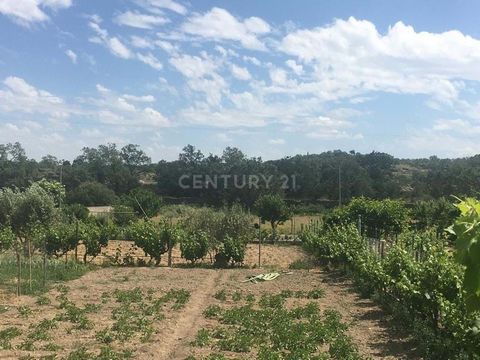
{"x": 274, "y": 332}
{"x": 221, "y": 295}
{"x": 202, "y": 338}
{"x": 7, "y": 335}
{"x": 25, "y": 311}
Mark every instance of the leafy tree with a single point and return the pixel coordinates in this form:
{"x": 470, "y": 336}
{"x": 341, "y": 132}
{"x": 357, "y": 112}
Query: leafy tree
{"x": 273, "y": 209}
{"x": 54, "y": 189}
{"x": 378, "y": 218}
{"x": 194, "y": 245}
{"x": 438, "y": 214}
{"x": 143, "y": 202}
{"x": 29, "y": 213}
{"x": 92, "y": 194}
{"x": 94, "y": 238}
{"x": 60, "y": 239}
{"x": 154, "y": 239}
{"x": 133, "y": 156}
{"x": 75, "y": 212}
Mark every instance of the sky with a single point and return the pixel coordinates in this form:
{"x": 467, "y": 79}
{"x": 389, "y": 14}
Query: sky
{"x": 273, "y": 78}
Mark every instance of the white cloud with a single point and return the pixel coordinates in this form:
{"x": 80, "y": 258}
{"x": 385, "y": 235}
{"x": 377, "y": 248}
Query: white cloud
{"x": 296, "y": 68}
{"x": 26, "y": 12}
{"x": 141, "y": 43}
{"x": 151, "y": 60}
{"x": 114, "y": 44}
{"x": 276, "y": 141}
{"x": 18, "y": 96}
{"x": 278, "y": 76}
{"x": 114, "y": 109}
{"x": 143, "y": 98}
{"x": 118, "y": 48}
{"x": 350, "y": 57}
{"x": 240, "y": 73}
{"x": 252, "y": 60}
{"x": 141, "y": 21}
{"x": 71, "y": 55}
{"x": 155, "y": 5}
{"x": 193, "y": 66}
{"x": 219, "y": 25}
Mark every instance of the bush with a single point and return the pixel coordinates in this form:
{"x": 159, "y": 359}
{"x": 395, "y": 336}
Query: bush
{"x": 378, "y": 218}
{"x": 194, "y": 245}
{"x": 143, "y": 202}
{"x": 226, "y": 234}
{"x": 61, "y": 238}
{"x": 75, "y": 212}
{"x": 154, "y": 239}
{"x": 92, "y": 193}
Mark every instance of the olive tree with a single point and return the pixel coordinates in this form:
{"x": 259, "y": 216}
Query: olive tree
{"x": 273, "y": 209}
{"x": 28, "y": 213}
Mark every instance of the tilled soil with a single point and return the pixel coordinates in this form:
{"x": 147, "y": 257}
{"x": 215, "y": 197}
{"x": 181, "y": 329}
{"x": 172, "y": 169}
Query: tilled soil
{"x": 369, "y": 327}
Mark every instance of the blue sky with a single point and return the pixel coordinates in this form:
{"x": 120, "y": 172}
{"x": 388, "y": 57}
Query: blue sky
{"x": 274, "y": 78}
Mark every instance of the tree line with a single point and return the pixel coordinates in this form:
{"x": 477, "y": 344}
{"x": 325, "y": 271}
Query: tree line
{"x": 101, "y": 175}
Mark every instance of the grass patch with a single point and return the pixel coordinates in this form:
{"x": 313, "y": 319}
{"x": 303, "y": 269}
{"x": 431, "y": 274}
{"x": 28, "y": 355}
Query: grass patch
{"x": 57, "y": 271}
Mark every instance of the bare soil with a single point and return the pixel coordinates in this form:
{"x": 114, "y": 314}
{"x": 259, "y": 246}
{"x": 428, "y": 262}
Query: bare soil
{"x": 369, "y": 326}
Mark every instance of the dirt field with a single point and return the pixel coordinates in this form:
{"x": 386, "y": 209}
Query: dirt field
{"x": 176, "y": 329}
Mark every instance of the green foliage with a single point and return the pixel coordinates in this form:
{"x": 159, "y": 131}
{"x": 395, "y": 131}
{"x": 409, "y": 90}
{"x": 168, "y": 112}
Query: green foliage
{"x": 75, "y": 212}
{"x": 417, "y": 279}
{"x": 273, "y": 331}
{"x": 6, "y": 335}
{"x": 123, "y": 215}
{"x": 438, "y": 214}
{"x": 467, "y": 230}
{"x": 94, "y": 237}
{"x": 92, "y": 193}
{"x": 143, "y": 202}
{"x": 378, "y": 218}
{"x": 54, "y": 189}
{"x": 7, "y": 238}
{"x": 33, "y": 207}
{"x": 225, "y": 234}
{"x": 273, "y": 209}
{"x": 61, "y": 238}
{"x": 194, "y": 245}
{"x": 57, "y": 271}
{"x": 153, "y": 239}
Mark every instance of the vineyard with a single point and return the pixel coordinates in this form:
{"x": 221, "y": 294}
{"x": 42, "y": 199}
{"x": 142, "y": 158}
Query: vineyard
{"x": 372, "y": 279}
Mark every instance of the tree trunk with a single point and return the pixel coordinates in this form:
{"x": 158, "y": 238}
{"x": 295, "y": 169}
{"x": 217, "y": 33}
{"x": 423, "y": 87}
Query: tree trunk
{"x": 44, "y": 263}
{"x": 274, "y": 231}
{"x": 19, "y": 273}
{"x": 170, "y": 256}
{"x": 30, "y": 265}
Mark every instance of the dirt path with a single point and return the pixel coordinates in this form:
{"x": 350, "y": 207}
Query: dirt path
{"x": 172, "y": 345}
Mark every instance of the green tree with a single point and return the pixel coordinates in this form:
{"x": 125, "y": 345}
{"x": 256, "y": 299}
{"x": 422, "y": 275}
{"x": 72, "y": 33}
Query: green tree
{"x": 92, "y": 194}
{"x": 143, "y": 202}
{"x": 273, "y": 209}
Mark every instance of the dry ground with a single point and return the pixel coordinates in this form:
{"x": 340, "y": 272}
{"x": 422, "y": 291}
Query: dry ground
{"x": 173, "y": 334}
